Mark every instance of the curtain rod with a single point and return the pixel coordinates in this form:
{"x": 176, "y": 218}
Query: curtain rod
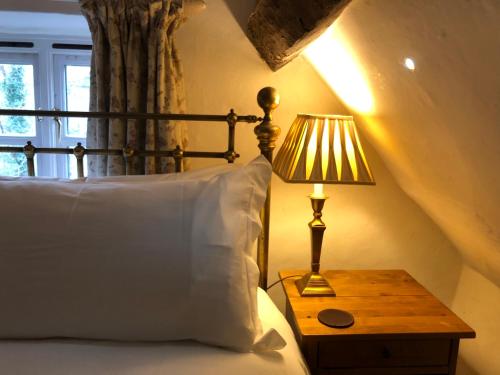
{"x": 131, "y": 115}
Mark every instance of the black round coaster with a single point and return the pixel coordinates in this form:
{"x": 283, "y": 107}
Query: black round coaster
{"x": 336, "y": 318}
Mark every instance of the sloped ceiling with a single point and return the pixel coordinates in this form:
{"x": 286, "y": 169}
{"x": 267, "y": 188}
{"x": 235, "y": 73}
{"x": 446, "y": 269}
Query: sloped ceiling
{"x": 437, "y": 127}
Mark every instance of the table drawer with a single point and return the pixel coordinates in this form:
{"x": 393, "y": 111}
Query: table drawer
{"x": 383, "y": 353}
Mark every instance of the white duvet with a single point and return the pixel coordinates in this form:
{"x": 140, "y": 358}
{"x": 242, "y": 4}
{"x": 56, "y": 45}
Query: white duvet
{"x": 78, "y": 357}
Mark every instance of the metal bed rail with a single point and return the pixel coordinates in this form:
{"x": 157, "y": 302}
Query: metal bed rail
{"x": 79, "y": 151}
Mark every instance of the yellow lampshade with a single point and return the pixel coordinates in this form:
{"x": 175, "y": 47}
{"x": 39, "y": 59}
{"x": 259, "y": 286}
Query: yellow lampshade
{"x": 323, "y": 149}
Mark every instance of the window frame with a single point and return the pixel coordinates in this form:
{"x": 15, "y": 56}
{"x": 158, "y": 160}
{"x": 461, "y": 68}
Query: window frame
{"x": 60, "y": 61}
{"x": 48, "y": 70}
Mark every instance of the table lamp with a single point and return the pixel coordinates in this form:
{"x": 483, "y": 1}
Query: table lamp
{"x": 321, "y": 149}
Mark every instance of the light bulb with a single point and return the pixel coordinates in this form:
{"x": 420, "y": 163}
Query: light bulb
{"x": 409, "y": 63}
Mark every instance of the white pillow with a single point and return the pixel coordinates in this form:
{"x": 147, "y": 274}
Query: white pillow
{"x": 148, "y": 261}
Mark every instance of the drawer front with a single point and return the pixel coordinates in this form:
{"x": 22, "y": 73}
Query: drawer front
{"x": 383, "y": 353}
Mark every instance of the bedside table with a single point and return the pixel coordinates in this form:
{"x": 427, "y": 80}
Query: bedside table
{"x": 399, "y": 327}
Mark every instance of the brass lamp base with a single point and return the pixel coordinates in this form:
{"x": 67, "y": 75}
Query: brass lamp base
{"x": 313, "y": 284}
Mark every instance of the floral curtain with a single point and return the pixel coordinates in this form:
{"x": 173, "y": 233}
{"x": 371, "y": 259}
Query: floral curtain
{"x": 135, "y": 68}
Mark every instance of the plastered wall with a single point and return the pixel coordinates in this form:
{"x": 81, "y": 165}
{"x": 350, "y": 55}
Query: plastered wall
{"x": 436, "y": 129}
{"x": 368, "y": 227}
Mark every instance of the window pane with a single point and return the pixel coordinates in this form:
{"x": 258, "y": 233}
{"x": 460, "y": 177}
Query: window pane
{"x": 17, "y": 91}
{"x": 77, "y": 98}
{"x": 13, "y": 164}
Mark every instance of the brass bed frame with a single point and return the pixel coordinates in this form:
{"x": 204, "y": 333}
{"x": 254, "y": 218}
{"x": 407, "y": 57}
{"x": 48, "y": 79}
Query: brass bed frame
{"x": 266, "y": 132}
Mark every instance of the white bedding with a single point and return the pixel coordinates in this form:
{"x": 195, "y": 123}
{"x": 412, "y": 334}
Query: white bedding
{"x": 78, "y": 357}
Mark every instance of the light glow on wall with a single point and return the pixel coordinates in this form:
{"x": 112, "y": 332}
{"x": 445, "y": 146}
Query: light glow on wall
{"x": 336, "y": 63}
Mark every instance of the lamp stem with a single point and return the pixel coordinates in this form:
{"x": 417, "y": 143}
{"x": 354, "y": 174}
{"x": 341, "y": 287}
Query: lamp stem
{"x": 313, "y": 283}
{"x": 317, "y": 227}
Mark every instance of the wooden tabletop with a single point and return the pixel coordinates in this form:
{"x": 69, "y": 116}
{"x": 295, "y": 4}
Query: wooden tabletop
{"x": 385, "y": 303}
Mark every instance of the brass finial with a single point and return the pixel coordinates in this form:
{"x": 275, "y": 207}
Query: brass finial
{"x": 178, "y": 154}
{"x": 267, "y": 133}
{"x": 231, "y": 156}
{"x": 79, "y": 151}
{"x": 29, "y": 150}
{"x": 128, "y": 152}
{"x": 268, "y": 99}
{"x": 232, "y": 117}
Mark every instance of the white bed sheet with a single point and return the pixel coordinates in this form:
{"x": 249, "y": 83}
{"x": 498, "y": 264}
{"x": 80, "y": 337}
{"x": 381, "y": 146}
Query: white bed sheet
{"x": 78, "y": 357}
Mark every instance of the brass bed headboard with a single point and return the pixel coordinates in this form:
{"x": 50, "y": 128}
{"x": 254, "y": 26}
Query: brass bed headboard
{"x": 266, "y": 132}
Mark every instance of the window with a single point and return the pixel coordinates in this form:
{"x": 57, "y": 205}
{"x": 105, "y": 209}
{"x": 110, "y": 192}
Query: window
{"x": 46, "y": 76}
{"x": 17, "y": 90}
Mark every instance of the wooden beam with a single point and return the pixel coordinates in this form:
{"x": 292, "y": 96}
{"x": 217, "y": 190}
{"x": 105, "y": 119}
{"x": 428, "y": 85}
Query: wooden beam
{"x": 281, "y": 29}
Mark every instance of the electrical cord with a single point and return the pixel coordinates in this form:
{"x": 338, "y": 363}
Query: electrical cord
{"x": 280, "y": 280}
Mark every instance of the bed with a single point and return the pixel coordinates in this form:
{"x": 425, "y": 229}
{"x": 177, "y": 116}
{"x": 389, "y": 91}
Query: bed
{"x": 78, "y": 357}
{"x": 151, "y": 274}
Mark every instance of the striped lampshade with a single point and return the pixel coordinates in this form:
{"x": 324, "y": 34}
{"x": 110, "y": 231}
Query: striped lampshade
{"x": 323, "y": 149}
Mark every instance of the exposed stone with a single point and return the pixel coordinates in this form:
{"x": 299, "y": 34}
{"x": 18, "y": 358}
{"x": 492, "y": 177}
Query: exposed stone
{"x": 281, "y": 29}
